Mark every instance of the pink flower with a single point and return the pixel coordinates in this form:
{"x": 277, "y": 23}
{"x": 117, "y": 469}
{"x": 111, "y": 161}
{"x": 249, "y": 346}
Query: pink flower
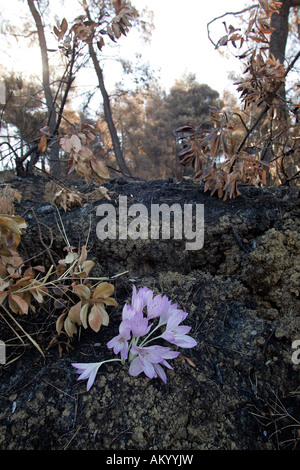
{"x": 169, "y": 311}
{"x": 120, "y": 343}
{"x": 176, "y": 334}
{"x": 134, "y": 325}
{"x": 158, "y": 306}
{"x": 139, "y": 325}
{"x": 128, "y": 312}
{"x": 141, "y": 298}
{"x": 148, "y": 360}
{"x": 87, "y": 371}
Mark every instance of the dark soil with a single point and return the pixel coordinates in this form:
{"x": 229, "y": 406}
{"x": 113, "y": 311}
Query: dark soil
{"x": 241, "y": 291}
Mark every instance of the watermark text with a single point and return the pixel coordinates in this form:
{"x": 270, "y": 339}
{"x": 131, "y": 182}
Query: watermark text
{"x": 2, "y": 352}
{"x": 296, "y": 354}
{"x": 2, "y": 92}
{"x": 188, "y": 222}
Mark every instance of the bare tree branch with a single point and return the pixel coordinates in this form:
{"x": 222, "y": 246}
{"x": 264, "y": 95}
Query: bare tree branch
{"x": 233, "y": 13}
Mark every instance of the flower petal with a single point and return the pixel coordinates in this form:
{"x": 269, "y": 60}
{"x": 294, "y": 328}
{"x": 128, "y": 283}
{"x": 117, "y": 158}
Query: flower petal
{"x": 135, "y": 367}
{"x": 184, "y": 341}
{"x": 160, "y": 372}
{"x": 87, "y": 371}
{"x": 91, "y": 378}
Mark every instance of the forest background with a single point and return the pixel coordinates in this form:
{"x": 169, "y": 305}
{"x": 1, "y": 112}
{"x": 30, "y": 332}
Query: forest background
{"x": 134, "y": 118}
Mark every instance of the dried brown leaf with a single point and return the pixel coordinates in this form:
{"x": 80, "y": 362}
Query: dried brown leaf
{"x": 22, "y": 305}
{"x": 100, "y": 43}
{"x": 84, "y": 315}
{"x": 95, "y": 319}
{"x": 82, "y": 291}
{"x": 74, "y": 313}
{"x": 100, "y": 169}
{"x": 64, "y": 26}
{"x": 70, "y": 327}
{"x": 42, "y": 143}
{"x": 103, "y": 290}
{"x": 76, "y": 143}
{"x": 189, "y": 361}
{"x": 60, "y": 322}
{"x": 66, "y": 144}
{"x": 98, "y": 317}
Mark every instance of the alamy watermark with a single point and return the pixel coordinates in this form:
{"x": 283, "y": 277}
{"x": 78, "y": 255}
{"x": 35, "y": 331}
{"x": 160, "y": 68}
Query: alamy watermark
{"x": 2, "y": 352}
{"x": 155, "y": 225}
{"x": 2, "y": 92}
{"x": 296, "y": 354}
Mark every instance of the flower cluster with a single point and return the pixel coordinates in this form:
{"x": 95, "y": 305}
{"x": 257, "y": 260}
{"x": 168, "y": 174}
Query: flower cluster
{"x": 146, "y": 314}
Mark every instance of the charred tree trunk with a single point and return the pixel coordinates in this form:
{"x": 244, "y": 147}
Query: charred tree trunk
{"x": 279, "y": 37}
{"x": 107, "y": 108}
{"x": 280, "y": 23}
{"x": 278, "y": 42}
{"x": 54, "y": 152}
{"x": 108, "y": 113}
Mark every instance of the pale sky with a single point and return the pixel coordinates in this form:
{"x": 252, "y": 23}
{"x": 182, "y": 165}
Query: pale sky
{"x": 179, "y": 43}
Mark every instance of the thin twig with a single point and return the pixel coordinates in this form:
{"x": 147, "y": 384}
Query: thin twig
{"x": 27, "y": 334}
{"x": 234, "y": 13}
{"x": 242, "y": 120}
{"x": 10, "y": 326}
{"x": 47, "y": 248}
{"x": 74, "y": 435}
{"x": 59, "y": 389}
{"x": 70, "y": 80}
{"x": 62, "y": 230}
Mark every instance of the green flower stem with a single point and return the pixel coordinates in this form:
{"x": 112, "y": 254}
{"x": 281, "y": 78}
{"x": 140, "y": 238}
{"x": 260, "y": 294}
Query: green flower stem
{"x": 113, "y": 360}
{"x": 134, "y": 342}
{"x": 151, "y": 339}
{"x": 146, "y": 340}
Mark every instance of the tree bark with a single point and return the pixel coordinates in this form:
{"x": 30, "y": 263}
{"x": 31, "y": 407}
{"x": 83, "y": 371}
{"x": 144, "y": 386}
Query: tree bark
{"x": 108, "y": 113}
{"x": 54, "y": 152}
{"x": 278, "y": 42}
{"x": 106, "y": 103}
{"x": 279, "y": 37}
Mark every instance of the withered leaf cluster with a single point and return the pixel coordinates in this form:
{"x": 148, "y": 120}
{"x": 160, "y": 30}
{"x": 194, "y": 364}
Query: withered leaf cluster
{"x": 82, "y": 303}
{"x": 82, "y": 159}
{"x": 86, "y": 30}
{"x": 237, "y": 167}
{"x": 263, "y": 77}
{"x": 67, "y": 197}
{"x": 17, "y": 285}
{"x": 90, "y": 309}
{"x": 263, "y": 73}
{"x": 8, "y": 195}
{"x": 257, "y": 30}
